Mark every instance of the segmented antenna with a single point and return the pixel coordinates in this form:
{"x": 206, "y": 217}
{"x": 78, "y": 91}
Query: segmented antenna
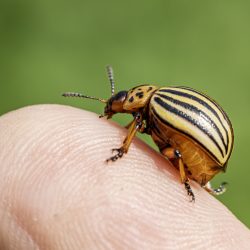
{"x": 111, "y": 79}
{"x": 74, "y": 94}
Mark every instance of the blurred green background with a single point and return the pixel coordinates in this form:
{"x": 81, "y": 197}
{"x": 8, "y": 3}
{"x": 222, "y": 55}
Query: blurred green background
{"x": 48, "y": 47}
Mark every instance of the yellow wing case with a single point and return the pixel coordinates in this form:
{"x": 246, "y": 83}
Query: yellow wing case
{"x": 197, "y": 116}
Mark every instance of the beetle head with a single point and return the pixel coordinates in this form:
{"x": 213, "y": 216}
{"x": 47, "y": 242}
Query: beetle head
{"x": 115, "y": 104}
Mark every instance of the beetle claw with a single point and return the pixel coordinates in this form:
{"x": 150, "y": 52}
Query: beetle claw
{"x": 216, "y": 191}
{"x": 120, "y": 152}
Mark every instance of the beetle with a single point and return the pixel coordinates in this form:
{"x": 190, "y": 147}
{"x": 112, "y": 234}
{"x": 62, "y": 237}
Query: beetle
{"x": 189, "y": 128}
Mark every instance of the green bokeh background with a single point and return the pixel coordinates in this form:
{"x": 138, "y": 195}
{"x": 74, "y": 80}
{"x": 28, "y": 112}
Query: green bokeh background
{"x": 48, "y": 47}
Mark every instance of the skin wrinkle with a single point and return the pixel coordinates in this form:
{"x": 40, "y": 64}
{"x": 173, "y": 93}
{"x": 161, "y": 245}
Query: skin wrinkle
{"x": 25, "y": 231}
{"x": 66, "y": 196}
{"x": 8, "y": 237}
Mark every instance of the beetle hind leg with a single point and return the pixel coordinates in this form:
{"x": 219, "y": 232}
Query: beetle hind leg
{"x": 175, "y": 155}
{"x": 216, "y": 191}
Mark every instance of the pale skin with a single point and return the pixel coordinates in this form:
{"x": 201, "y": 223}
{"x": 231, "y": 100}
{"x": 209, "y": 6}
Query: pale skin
{"x": 58, "y": 192}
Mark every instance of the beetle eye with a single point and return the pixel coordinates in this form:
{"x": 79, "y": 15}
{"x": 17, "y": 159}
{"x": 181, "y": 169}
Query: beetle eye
{"x": 120, "y": 96}
{"x": 118, "y": 99}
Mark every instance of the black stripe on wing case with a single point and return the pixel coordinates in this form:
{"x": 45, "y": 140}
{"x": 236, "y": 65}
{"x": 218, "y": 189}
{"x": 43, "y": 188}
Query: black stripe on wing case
{"x": 197, "y": 111}
{"x": 210, "y": 99}
{"x": 160, "y": 119}
{"x": 200, "y": 101}
{"x": 188, "y": 118}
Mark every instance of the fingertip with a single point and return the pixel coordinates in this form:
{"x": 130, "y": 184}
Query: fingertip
{"x": 138, "y": 200}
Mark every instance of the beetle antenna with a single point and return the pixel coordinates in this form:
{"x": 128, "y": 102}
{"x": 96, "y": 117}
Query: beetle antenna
{"x": 74, "y": 94}
{"x": 111, "y": 79}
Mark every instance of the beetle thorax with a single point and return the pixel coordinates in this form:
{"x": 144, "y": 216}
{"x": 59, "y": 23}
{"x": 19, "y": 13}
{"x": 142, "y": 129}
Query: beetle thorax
{"x": 138, "y": 97}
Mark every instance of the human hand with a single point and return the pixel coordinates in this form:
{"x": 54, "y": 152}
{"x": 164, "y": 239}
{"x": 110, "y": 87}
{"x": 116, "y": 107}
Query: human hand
{"x": 57, "y": 191}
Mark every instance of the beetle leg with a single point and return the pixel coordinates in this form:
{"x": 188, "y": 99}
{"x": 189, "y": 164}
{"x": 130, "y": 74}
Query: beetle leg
{"x": 134, "y": 126}
{"x": 141, "y": 128}
{"x": 173, "y": 154}
{"x": 216, "y": 191}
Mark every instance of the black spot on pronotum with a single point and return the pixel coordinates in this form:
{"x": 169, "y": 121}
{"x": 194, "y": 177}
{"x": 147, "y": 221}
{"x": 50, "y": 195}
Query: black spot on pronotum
{"x": 149, "y": 89}
{"x": 139, "y": 93}
{"x": 131, "y": 99}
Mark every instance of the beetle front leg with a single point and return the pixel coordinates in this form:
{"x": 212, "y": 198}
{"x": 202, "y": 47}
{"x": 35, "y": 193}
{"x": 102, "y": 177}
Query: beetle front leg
{"x": 135, "y": 126}
{"x": 173, "y": 154}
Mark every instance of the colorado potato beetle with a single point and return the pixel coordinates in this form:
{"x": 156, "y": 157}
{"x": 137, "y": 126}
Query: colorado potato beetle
{"x": 189, "y": 128}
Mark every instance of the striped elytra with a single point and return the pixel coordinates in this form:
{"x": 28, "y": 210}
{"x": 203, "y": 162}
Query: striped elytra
{"x": 189, "y": 127}
{"x": 196, "y": 116}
